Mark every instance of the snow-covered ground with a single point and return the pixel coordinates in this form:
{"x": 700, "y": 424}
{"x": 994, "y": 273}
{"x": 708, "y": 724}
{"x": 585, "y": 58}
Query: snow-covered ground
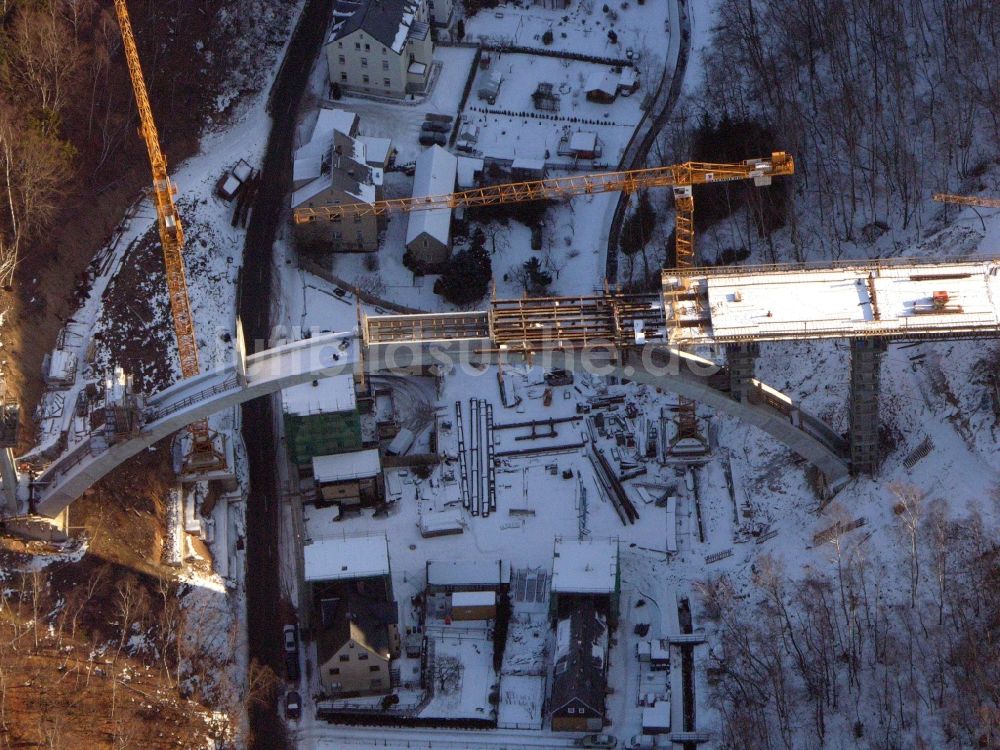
{"x": 582, "y": 28}
{"x": 534, "y": 135}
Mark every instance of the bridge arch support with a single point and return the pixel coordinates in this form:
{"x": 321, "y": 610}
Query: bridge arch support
{"x": 300, "y": 362}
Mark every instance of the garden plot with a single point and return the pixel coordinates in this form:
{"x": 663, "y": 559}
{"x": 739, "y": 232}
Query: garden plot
{"x": 512, "y": 128}
{"x": 462, "y": 676}
{"x": 582, "y": 28}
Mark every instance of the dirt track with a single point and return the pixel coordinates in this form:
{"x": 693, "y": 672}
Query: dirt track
{"x": 263, "y": 585}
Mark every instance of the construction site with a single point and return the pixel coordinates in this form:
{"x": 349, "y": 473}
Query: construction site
{"x": 471, "y": 394}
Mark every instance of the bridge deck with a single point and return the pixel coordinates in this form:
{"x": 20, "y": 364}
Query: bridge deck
{"x": 862, "y": 299}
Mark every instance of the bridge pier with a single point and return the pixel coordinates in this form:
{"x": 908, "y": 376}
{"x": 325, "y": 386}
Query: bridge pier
{"x": 741, "y": 361}
{"x": 866, "y": 359}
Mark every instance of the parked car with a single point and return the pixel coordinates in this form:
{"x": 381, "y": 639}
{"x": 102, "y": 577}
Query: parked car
{"x": 292, "y": 667}
{"x": 293, "y": 705}
{"x": 291, "y": 639}
{"x": 605, "y": 741}
{"x": 433, "y": 126}
{"x": 430, "y": 138}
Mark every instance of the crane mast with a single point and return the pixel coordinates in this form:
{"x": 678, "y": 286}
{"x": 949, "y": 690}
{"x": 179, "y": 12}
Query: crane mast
{"x": 203, "y": 454}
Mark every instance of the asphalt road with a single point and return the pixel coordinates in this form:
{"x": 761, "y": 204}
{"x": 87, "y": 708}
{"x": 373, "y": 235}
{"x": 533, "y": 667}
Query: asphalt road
{"x": 256, "y": 284}
{"x": 637, "y": 151}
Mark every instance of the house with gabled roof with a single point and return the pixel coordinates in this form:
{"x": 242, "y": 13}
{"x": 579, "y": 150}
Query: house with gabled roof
{"x": 380, "y": 47}
{"x": 332, "y": 168}
{"x": 579, "y": 675}
{"x": 356, "y": 641}
{"x": 428, "y": 232}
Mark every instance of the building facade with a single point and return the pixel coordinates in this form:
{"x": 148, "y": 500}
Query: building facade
{"x": 381, "y": 47}
{"x": 332, "y": 169}
{"x": 428, "y": 233}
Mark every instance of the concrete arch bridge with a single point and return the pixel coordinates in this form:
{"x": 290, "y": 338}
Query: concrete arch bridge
{"x": 639, "y": 337}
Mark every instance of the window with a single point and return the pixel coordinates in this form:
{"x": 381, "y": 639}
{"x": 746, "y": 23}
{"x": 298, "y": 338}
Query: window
{"x": 361, "y": 237}
{"x": 343, "y": 657}
{"x": 386, "y": 82}
{"x": 364, "y": 62}
{"x": 343, "y": 76}
{"x": 385, "y": 65}
{"x": 357, "y": 45}
{"x": 571, "y": 710}
{"x": 384, "y": 51}
{"x": 364, "y": 79}
{"x": 362, "y": 657}
{"x": 357, "y": 220}
{"x": 340, "y": 45}
{"x": 336, "y": 685}
{"x": 368, "y": 47}
{"x": 334, "y": 670}
{"x": 374, "y": 668}
{"x": 341, "y": 59}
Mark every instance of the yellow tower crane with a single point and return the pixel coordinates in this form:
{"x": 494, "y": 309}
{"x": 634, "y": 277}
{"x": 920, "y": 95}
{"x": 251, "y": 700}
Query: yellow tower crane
{"x": 681, "y": 177}
{"x": 203, "y": 455}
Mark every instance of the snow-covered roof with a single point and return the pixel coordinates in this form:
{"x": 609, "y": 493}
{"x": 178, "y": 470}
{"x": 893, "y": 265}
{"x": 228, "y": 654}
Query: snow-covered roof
{"x": 386, "y": 21}
{"x": 602, "y": 80}
{"x": 629, "y": 77}
{"x": 322, "y": 396}
{"x": 583, "y": 141}
{"x": 656, "y": 717}
{"x": 460, "y": 573}
{"x": 537, "y": 165}
{"x": 435, "y": 175}
{"x": 585, "y": 566}
{"x": 344, "y": 467}
{"x": 347, "y": 557}
{"x": 333, "y": 159}
{"x": 466, "y": 171}
{"x": 376, "y": 149}
{"x": 473, "y": 599}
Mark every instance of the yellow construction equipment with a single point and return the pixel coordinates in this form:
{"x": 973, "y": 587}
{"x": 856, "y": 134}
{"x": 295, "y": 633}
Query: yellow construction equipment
{"x": 967, "y": 200}
{"x": 203, "y": 455}
{"x": 679, "y": 176}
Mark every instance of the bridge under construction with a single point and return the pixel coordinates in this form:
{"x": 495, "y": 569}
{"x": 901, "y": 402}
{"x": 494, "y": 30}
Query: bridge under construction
{"x": 649, "y": 338}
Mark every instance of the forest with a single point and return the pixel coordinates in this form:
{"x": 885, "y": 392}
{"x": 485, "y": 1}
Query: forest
{"x": 894, "y": 650}
{"x": 881, "y": 102}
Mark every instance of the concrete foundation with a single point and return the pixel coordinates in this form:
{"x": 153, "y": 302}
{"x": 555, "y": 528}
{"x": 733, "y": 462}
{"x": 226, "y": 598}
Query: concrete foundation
{"x": 866, "y": 359}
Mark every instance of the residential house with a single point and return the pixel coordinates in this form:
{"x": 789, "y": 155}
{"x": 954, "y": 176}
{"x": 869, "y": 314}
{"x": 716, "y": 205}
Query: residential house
{"x": 381, "y": 47}
{"x": 428, "y": 233}
{"x": 356, "y": 641}
{"x": 586, "y": 569}
{"x": 450, "y": 576}
{"x": 321, "y": 419}
{"x": 332, "y": 169}
{"x": 601, "y": 86}
{"x": 351, "y": 480}
{"x": 579, "y": 677}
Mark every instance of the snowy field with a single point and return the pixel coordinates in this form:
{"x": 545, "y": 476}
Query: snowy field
{"x": 581, "y": 28}
{"x": 515, "y": 137}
